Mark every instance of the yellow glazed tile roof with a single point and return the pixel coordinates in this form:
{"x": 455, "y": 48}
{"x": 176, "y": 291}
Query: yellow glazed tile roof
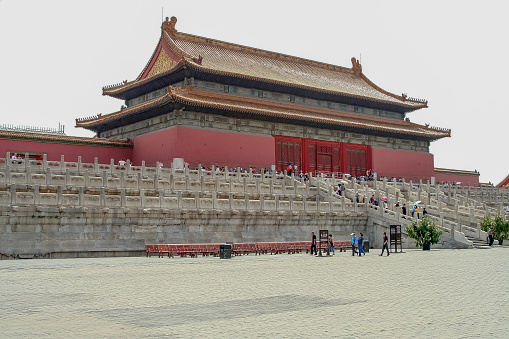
{"x": 220, "y": 57}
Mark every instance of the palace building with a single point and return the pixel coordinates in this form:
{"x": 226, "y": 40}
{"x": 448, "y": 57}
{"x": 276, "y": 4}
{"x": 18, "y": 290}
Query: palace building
{"x": 212, "y": 102}
{"x": 217, "y": 103}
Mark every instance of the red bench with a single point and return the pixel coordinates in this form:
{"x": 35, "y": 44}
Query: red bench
{"x": 151, "y": 249}
{"x": 162, "y": 250}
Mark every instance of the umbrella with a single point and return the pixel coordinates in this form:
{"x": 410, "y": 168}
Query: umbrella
{"x": 417, "y": 202}
{"x": 344, "y": 182}
{"x": 384, "y": 198}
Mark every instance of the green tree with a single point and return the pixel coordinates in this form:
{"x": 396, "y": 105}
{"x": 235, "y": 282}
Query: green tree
{"x": 501, "y": 228}
{"x": 486, "y": 223}
{"x": 424, "y": 231}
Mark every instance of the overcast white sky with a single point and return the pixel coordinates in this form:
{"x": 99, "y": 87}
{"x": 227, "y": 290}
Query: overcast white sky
{"x": 55, "y": 56}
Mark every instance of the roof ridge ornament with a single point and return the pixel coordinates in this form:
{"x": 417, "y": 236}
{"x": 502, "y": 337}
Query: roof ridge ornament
{"x": 169, "y": 26}
{"x": 356, "y": 66}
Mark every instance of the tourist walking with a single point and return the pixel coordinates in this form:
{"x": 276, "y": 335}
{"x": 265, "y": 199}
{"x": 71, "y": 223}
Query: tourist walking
{"x": 424, "y": 212}
{"x": 417, "y": 211}
{"x": 385, "y": 245}
{"x": 354, "y": 242}
{"x": 360, "y": 244}
{"x": 403, "y": 209}
{"x": 313, "y": 243}
{"x": 331, "y": 244}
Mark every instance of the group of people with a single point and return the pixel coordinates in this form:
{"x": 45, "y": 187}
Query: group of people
{"x": 330, "y": 244}
{"x": 15, "y": 159}
{"x": 357, "y": 244}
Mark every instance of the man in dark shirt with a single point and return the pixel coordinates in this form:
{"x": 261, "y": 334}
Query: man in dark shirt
{"x": 403, "y": 209}
{"x": 313, "y": 243}
{"x": 385, "y": 245}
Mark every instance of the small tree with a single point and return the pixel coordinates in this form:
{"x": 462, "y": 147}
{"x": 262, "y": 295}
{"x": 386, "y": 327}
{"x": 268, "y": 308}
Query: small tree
{"x": 424, "y": 232}
{"x": 486, "y": 223}
{"x": 501, "y": 228}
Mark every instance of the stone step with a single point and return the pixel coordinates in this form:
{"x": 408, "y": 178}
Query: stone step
{"x": 478, "y": 243}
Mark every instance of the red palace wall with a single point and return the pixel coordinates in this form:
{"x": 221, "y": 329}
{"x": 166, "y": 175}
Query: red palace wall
{"x": 465, "y": 179}
{"x": 70, "y": 151}
{"x": 403, "y": 164}
{"x": 205, "y": 147}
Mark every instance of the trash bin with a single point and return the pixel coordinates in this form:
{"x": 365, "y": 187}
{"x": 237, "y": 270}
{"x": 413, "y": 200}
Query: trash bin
{"x": 225, "y": 251}
{"x": 366, "y": 246}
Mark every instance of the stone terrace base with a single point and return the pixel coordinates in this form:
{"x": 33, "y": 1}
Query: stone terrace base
{"x": 50, "y": 232}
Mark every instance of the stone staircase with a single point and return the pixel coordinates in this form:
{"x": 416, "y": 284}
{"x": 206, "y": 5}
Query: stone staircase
{"x": 457, "y": 213}
{"x": 477, "y": 243}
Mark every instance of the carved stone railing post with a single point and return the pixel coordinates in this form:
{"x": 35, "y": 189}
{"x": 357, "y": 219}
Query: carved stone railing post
{"x": 48, "y": 176}
{"x": 214, "y": 200}
{"x": 37, "y": 195}
{"x": 105, "y": 178}
{"x": 122, "y": 197}
{"x": 102, "y": 197}
{"x": 81, "y": 196}
{"x": 161, "y": 198}
{"x": 13, "y": 194}
{"x": 8, "y": 173}
{"x": 59, "y": 195}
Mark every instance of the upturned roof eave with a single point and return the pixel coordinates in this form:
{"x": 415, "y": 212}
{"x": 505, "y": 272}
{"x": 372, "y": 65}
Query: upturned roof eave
{"x": 176, "y": 96}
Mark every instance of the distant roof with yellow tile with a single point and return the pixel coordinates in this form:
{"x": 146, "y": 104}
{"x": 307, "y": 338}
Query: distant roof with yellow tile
{"x": 177, "y": 51}
{"x": 63, "y": 139}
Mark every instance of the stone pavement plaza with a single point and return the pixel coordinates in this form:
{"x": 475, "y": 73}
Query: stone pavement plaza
{"x": 435, "y": 294}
